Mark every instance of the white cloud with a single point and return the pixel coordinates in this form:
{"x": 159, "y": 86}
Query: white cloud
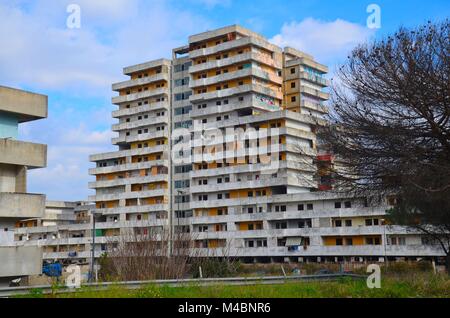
{"x": 326, "y": 41}
{"x": 38, "y": 52}
{"x": 43, "y": 51}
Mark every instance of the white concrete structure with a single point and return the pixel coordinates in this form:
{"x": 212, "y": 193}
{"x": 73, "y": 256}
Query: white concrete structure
{"x": 16, "y": 157}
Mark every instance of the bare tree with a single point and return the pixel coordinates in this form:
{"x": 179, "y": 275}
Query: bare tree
{"x": 390, "y": 126}
{"x": 145, "y": 254}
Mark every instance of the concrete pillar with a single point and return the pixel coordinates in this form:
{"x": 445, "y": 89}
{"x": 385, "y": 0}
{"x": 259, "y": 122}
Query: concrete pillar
{"x": 21, "y": 180}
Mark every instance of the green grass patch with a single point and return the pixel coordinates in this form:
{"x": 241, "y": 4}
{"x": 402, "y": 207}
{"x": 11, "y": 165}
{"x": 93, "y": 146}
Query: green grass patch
{"x": 398, "y": 286}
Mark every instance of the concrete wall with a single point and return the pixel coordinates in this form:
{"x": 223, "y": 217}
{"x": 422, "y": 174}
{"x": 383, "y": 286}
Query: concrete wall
{"x": 23, "y": 153}
{"x": 22, "y": 206}
{"x": 20, "y": 261}
{"x": 29, "y": 106}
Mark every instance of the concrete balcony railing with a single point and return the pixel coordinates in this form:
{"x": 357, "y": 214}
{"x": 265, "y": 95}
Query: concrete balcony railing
{"x": 150, "y": 135}
{"x": 129, "y": 195}
{"x": 134, "y": 209}
{"x": 124, "y": 181}
{"x": 262, "y": 182}
{"x": 141, "y": 95}
{"x": 236, "y": 59}
{"x": 245, "y": 41}
{"x": 314, "y": 79}
{"x": 140, "y": 109}
{"x": 141, "y": 81}
{"x": 20, "y": 261}
{"x": 150, "y": 121}
{"x": 22, "y": 205}
{"x": 314, "y": 93}
{"x": 314, "y": 106}
{"x": 128, "y": 153}
{"x": 128, "y": 167}
{"x": 197, "y": 98}
{"x": 307, "y": 62}
{"x": 254, "y": 102}
{"x": 271, "y": 160}
{"x": 235, "y": 169}
{"x": 28, "y": 106}
{"x": 23, "y": 153}
{"x": 250, "y": 71}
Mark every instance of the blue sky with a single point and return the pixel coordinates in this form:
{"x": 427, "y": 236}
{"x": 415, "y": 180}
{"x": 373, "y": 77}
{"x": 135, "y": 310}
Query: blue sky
{"x": 75, "y": 67}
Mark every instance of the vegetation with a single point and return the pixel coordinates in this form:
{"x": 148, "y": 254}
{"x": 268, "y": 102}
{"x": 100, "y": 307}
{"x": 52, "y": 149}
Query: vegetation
{"x": 390, "y": 127}
{"x": 419, "y": 285}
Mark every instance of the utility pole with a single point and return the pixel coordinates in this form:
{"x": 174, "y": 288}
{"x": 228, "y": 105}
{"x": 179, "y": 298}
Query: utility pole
{"x": 91, "y": 276}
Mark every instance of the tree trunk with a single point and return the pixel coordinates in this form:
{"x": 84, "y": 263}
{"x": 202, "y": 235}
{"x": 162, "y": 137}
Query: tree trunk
{"x": 447, "y": 263}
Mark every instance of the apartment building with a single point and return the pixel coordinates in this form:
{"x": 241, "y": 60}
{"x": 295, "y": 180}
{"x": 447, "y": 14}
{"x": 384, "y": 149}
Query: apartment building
{"x": 220, "y": 142}
{"x": 64, "y": 232}
{"x": 16, "y": 157}
{"x": 132, "y": 184}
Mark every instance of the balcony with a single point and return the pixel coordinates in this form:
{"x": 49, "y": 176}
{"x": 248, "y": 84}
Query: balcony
{"x": 124, "y": 181}
{"x": 127, "y": 153}
{"x": 22, "y": 205}
{"x": 236, "y": 59}
{"x": 314, "y": 92}
{"x": 28, "y": 106}
{"x": 198, "y": 98}
{"x": 250, "y": 71}
{"x": 141, "y": 95}
{"x": 128, "y": 167}
{"x": 245, "y": 41}
{"x": 23, "y": 153}
{"x": 140, "y": 109}
{"x": 151, "y": 120}
{"x": 142, "y": 137}
{"x": 129, "y": 195}
{"x": 141, "y": 81}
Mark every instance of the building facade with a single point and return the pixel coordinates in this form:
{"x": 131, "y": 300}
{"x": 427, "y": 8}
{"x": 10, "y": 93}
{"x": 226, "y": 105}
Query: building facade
{"x": 64, "y": 232}
{"x": 16, "y": 157}
{"x": 231, "y": 157}
{"x": 220, "y": 142}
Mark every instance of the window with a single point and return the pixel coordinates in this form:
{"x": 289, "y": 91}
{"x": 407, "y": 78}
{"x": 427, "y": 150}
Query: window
{"x": 347, "y": 204}
{"x": 348, "y": 222}
{"x": 300, "y": 207}
{"x": 348, "y": 241}
{"x": 338, "y": 223}
{"x": 241, "y": 98}
{"x": 250, "y": 227}
{"x": 338, "y": 241}
{"x": 337, "y": 205}
{"x": 281, "y": 225}
{"x": 309, "y": 206}
{"x": 293, "y": 98}
{"x": 292, "y": 70}
{"x": 293, "y": 85}
{"x": 368, "y": 222}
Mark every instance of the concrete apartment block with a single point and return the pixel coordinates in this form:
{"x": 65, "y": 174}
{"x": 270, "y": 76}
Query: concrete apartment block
{"x": 228, "y": 79}
{"x": 16, "y": 157}
{"x": 134, "y": 181}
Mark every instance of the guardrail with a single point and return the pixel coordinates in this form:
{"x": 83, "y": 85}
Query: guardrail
{"x": 47, "y": 289}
